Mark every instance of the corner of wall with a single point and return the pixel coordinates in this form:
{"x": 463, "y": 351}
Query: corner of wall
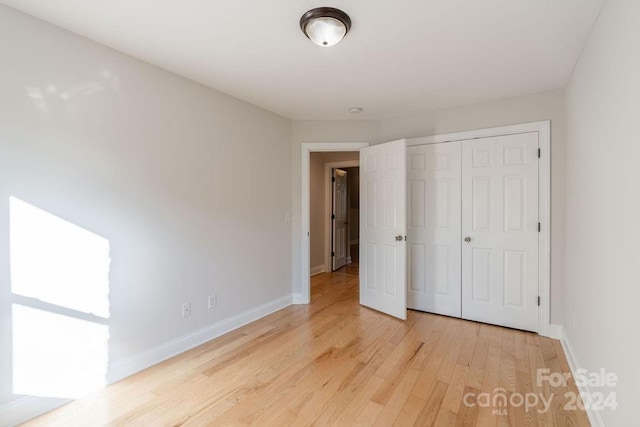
{"x": 317, "y": 270}
{"x": 595, "y": 417}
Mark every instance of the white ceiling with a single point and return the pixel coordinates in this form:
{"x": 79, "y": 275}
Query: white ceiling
{"x": 401, "y": 57}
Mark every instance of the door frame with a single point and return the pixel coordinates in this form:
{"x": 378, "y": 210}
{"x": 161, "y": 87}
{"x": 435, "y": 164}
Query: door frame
{"x": 544, "y": 199}
{"x": 305, "y": 208}
{"x": 328, "y": 204}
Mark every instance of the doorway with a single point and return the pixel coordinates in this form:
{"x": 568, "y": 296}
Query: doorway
{"x": 339, "y": 219}
{"x": 345, "y": 219}
{"x": 333, "y": 212}
{"x": 302, "y": 276}
{"x": 353, "y": 214}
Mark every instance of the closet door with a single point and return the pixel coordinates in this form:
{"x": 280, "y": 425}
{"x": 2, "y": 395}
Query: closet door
{"x": 434, "y": 228}
{"x": 500, "y": 230}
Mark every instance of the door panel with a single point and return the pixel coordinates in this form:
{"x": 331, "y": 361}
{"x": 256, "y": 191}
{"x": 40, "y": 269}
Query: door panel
{"x": 500, "y": 218}
{"x": 339, "y": 219}
{"x": 434, "y": 228}
{"x": 382, "y": 256}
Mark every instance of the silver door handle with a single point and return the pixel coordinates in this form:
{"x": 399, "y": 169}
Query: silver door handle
{"x": 467, "y": 239}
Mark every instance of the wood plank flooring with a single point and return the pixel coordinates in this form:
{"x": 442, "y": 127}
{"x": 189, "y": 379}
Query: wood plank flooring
{"x": 334, "y": 362}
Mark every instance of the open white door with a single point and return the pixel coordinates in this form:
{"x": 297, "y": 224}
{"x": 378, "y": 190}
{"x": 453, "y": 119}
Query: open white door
{"x": 383, "y": 181}
{"x": 339, "y": 219}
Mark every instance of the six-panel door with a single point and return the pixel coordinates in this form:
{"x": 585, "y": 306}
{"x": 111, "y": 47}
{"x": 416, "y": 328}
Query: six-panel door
{"x": 383, "y": 179}
{"x": 500, "y": 230}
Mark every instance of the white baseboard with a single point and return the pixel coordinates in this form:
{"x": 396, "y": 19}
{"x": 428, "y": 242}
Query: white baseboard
{"x": 129, "y": 366}
{"x": 26, "y": 408}
{"x": 555, "y": 331}
{"x": 29, "y": 407}
{"x": 317, "y": 270}
{"x": 297, "y": 299}
{"x": 595, "y": 417}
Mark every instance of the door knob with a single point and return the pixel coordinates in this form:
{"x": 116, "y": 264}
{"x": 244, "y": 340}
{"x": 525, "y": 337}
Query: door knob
{"x": 399, "y": 238}
{"x": 467, "y": 239}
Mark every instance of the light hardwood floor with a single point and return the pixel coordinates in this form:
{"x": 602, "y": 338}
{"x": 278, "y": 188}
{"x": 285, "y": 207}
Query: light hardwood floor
{"x": 334, "y": 362}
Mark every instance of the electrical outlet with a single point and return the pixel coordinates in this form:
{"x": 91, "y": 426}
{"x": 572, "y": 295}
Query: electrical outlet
{"x": 213, "y": 301}
{"x": 186, "y": 309}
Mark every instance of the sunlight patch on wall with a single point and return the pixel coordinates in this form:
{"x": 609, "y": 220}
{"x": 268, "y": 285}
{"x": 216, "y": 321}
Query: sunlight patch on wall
{"x": 60, "y": 292}
{"x": 56, "y": 355}
{"x": 56, "y": 261}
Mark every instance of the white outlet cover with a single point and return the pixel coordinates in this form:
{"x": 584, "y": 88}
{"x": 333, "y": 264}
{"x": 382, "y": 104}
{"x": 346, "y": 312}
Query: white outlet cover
{"x": 213, "y": 301}
{"x": 186, "y": 309}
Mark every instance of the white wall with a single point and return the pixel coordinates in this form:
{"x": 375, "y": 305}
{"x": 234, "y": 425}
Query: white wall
{"x": 150, "y": 161}
{"x": 603, "y": 205}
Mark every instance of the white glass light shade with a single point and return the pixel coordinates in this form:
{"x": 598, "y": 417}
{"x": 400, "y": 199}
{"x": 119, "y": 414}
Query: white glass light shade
{"x": 325, "y": 31}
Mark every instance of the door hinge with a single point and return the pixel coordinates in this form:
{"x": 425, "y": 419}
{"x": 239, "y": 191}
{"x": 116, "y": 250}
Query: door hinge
{"x": 539, "y": 227}
{"x": 539, "y": 152}
{"x": 333, "y": 216}
{"x": 538, "y": 300}
{"x": 334, "y": 254}
{"x": 333, "y": 179}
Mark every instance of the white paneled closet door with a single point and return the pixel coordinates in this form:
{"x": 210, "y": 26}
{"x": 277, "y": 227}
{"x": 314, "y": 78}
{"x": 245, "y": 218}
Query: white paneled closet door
{"x": 434, "y": 244}
{"x": 500, "y": 230}
{"x": 473, "y": 229}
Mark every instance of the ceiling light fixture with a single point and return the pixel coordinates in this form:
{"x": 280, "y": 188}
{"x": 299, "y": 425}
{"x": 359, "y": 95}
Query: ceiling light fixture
{"x": 356, "y": 110}
{"x": 325, "y": 26}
